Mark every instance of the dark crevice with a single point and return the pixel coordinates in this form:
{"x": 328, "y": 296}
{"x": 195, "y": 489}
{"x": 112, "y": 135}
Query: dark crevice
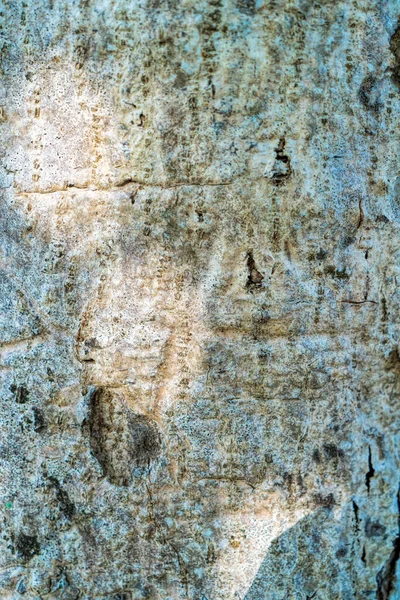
{"x": 363, "y": 556}
{"x": 385, "y": 579}
{"x": 384, "y": 309}
{"x": 255, "y": 278}
{"x": 395, "y": 50}
{"x": 358, "y": 302}
{"x": 282, "y": 167}
{"x": 371, "y": 470}
{"x": 356, "y": 511}
{"x": 361, "y": 214}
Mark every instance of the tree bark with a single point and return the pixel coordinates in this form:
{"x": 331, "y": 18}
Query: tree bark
{"x": 199, "y": 305}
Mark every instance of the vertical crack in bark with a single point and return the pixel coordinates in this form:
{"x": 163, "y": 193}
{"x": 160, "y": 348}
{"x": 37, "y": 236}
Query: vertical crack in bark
{"x": 387, "y": 575}
{"x": 371, "y": 471}
{"x": 361, "y": 214}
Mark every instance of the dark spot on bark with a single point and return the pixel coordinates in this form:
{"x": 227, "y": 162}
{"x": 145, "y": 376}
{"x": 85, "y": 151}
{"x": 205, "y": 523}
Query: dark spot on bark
{"x": 209, "y": 26}
{"x": 27, "y": 546}
{"x": 316, "y": 456}
{"x": 211, "y": 554}
{"x": 326, "y": 501}
{"x": 374, "y": 528}
{"x": 336, "y": 273}
{"x": 330, "y": 451}
{"x": 120, "y": 439}
{"x": 384, "y": 309}
{"x": 369, "y": 93}
{"x": 255, "y": 278}
{"x": 347, "y": 241}
{"x": 282, "y": 168}
{"x": 181, "y": 79}
{"x": 288, "y": 479}
{"x": 80, "y": 56}
{"x": 21, "y": 394}
{"x": 393, "y": 361}
{"x": 395, "y": 50}
{"x": 382, "y": 219}
{"x": 67, "y": 506}
{"x": 330, "y": 270}
{"x": 248, "y": 7}
{"x": 321, "y": 254}
{"x": 39, "y": 423}
{"x": 286, "y": 246}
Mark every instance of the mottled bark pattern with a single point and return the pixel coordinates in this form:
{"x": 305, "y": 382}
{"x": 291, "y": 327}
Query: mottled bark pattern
{"x": 199, "y": 302}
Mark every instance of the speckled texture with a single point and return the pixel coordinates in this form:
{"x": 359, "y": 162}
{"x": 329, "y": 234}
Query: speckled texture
{"x": 200, "y": 211}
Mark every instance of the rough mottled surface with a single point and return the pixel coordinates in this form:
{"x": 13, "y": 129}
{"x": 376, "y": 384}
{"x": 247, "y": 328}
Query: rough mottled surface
{"x": 200, "y": 211}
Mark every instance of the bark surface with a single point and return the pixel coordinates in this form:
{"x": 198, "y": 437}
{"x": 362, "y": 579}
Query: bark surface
{"x": 199, "y": 303}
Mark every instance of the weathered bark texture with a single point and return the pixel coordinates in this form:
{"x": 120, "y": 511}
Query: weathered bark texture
{"x": 200, "y": 212}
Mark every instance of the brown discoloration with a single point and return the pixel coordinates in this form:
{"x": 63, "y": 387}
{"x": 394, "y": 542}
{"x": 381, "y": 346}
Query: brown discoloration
{"x": 120, "y": 439}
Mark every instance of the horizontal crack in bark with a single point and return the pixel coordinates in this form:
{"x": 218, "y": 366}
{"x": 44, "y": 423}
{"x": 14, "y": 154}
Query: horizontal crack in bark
{"x": 123, "y": 184}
